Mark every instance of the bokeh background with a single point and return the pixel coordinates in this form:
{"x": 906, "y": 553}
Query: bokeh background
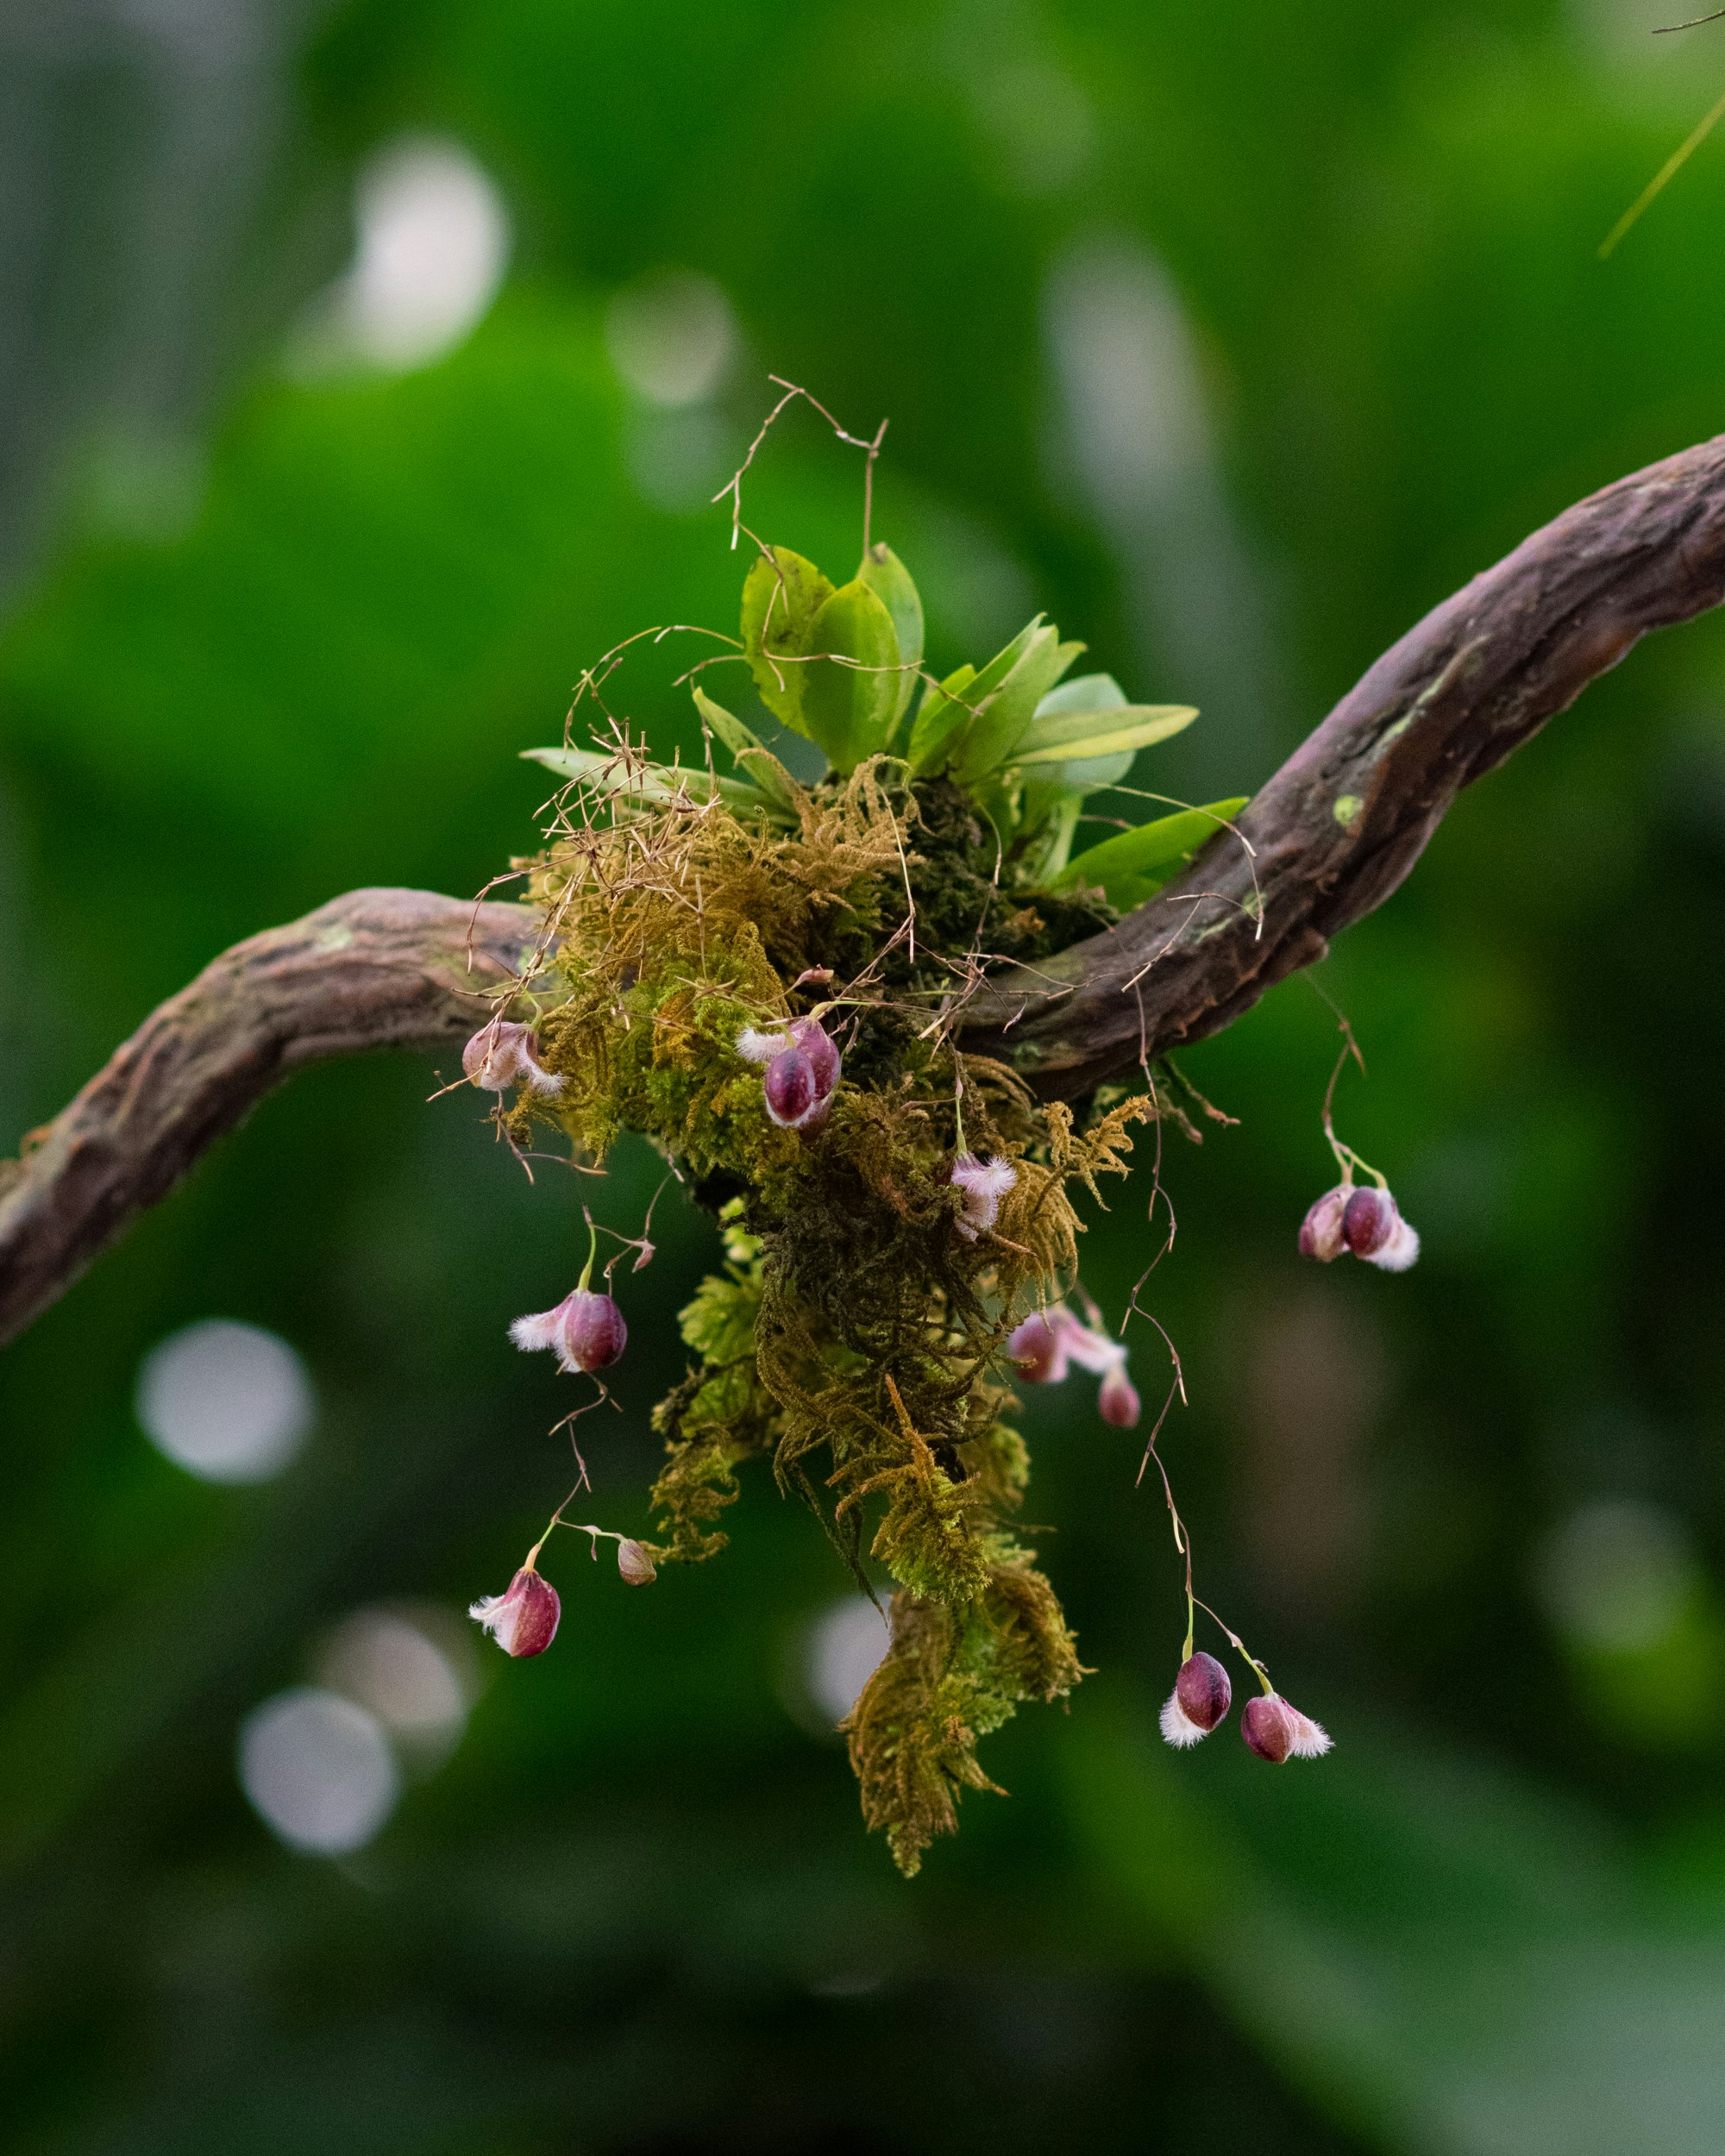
{"x": 365, "y": 370}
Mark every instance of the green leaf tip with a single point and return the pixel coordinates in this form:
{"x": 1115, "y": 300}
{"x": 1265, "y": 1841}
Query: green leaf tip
{"x": 892, "y": 584}
{"x": 782, "y": 595}
{"x": 1134, "y": 866}
{"x": 969, "y": 725}
{"x": 750, "y": 753}
{"x": 837, "y": 665}
{"x": 852, "y": 682}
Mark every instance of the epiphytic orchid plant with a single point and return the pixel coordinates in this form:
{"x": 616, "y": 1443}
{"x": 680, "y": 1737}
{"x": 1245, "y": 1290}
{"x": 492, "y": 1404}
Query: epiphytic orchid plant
{"x": 764, "y": 975}
{"x": 877, "y": 1021}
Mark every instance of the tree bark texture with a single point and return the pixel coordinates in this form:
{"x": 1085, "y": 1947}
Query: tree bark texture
{"x": 377, "y": 968}
{"x": 1343, "y": 821}
{"x": 1328, "y": 838}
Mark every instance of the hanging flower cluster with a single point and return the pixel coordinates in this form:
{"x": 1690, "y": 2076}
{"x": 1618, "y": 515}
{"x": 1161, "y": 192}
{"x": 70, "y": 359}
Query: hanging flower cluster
{"x": 802, "y": 1068}
{"x": 1363, "y": 1221}
{"x": 1271, "y": 1728}
{"x": 523, "y": 1619}
{"x": 1049, "y": 1341}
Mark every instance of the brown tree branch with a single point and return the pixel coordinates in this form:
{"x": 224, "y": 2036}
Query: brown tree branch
{"x": 1347, "y": 816}
{"x": 374, "y": 969}
{"x": 1333, "y": 834}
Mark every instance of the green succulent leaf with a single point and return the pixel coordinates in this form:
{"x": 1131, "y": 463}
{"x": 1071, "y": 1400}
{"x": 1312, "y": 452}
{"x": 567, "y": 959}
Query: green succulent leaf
{"x": 851, "y": 700}
{"x": 947, "y": 712}
{"x": 738, "y": 737}
{"x": 999, "y": 725}
{"x": 972, "y": 723}
{"x": 1048, "y": 823}
{"x": 1084, "y": 692}
{"x": 1066, "y": 736}
{"x": 942, "y": 712}
{"x": 653, "y": 783}
{"x": 750, "y": 754}
{"x": 781, "y": 596}
{"x": 1084, "y": 737}
{"x": 1135, "y": 865}
{"x": 1051, "y": 797}
{"x": 892, "y": 584}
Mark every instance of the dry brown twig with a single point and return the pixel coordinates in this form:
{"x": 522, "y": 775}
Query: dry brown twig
{"x": 1328, "y": 838}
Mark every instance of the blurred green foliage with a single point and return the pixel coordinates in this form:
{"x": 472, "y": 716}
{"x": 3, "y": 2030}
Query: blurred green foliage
{"x": 635, "y": 1909}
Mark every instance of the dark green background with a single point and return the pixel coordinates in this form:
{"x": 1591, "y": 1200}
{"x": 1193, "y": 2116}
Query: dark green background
{"x": 268, "y": 639}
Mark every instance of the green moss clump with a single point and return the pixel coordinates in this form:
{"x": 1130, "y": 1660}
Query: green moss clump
{"x": 855, "y": 1339}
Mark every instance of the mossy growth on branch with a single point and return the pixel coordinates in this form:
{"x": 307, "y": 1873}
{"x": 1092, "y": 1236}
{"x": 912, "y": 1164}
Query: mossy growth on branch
{"x": 893, "y": 1209}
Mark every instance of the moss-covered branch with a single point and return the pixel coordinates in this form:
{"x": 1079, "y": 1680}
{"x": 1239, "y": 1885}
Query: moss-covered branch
{"x": 1334, "y": 833}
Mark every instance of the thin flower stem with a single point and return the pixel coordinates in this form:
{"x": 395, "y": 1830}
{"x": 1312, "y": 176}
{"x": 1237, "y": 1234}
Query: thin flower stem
{"x": 1240, "y": 1648}
{"x": 1346, "y": 1159}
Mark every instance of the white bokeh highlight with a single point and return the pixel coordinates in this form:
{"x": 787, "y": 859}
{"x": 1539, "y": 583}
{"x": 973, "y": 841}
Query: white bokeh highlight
{"x": 318, "y": 1771}
{"x": 672, "y": 337}
{"x": 845, "y": 1646}
{"x": 1136, "y": 426}
{"x": 391, "y": 1665}
{"x": 226, "y": 1402}
{"x": 1616, "y": 1576}
{"x": 433, "y": 236}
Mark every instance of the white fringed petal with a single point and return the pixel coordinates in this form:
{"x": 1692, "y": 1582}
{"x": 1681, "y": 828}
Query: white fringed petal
{"x": 1178, "y": 1726}
{"x": 1398, "y": 1252}
{"x": 1308, "y": 1740}
{"x": 500, "y": 1614}
{"x": 760, "y": 1048}
{"x": 984, "y": 1183}
{"x": 539, "y": 1328}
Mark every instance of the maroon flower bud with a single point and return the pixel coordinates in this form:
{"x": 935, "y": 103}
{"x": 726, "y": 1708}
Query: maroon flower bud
{"x": 1368, "y": 1220}
{"x": 523, "y": 1621}
{"x": 790, "y": 1088}
{"x": 1039, "y": 1350}
{"x": 594, "y": 1334}
{"x": 587, "y": 1329}
{"x": 1372, "y": 1228}
{"x": 1266, "y": 1728}
{"x": 633, "y": 1562}
{"x": 1275, "y": 1731}
{"x": 1118, "y": 1402}
{"x": 501, "y": 1053}
{"x": 1201, "y": 1695}
{"x": 813, "y": 1038}
{"x": 1203, "y": 1691}
{"x": 1320, "y": 1231}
